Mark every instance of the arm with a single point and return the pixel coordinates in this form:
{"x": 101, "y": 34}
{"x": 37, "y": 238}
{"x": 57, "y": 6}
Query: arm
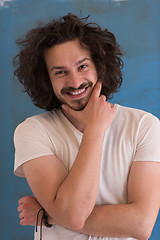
{"x": 70, "y": 198}
{"x": 134, "y": 219}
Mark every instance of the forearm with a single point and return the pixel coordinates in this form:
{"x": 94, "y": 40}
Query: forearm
{"x": 121, "y": 220}
{"x": 136, "y": 218}
{"x": 69, "y": 198}
{"x": 77, "y": 194}
{"x": 76, "y": 197}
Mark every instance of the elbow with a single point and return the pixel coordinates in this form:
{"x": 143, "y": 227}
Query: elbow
{"x": 76, "y": 217}
{"x": 69, "y": 216}
{"x": 144, "y": 230}
{"x": 143, "y": 220}
{"x": 142, "y": 235}
{"x": 145, "y": 234}
{"x": 76, "y": 223}
{"x": 73, "y": 220}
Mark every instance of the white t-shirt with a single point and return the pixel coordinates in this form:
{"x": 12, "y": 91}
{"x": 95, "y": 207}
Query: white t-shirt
{"x": 134, "y": 135}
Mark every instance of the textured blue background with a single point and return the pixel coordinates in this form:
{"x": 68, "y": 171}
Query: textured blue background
{"x": 136, "y": 23}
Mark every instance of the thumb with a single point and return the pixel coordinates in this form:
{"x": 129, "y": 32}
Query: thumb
{"x": 67, "y": 109}
{"x": 97, "y": 90}
{"x": 71, "y": 111}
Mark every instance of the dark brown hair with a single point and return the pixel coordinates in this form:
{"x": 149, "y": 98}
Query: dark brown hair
{"x": 30, "y": 64}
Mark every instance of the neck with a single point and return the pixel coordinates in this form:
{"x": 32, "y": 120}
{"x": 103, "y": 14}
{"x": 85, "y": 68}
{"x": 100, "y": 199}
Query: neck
{"x": 77, "y": 124}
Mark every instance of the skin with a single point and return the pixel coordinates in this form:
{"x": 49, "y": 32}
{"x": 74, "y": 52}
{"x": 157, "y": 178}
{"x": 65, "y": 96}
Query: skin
{"x": 69, "y": 198}
{"x": 71, "y": 73}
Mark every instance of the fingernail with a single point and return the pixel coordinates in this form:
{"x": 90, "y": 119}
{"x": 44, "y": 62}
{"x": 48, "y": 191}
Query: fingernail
{"x": 63, "y": 106}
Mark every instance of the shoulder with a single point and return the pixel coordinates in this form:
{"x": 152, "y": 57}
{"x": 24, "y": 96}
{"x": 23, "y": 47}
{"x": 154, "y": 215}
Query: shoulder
{"x": 136, "y": 116}
{"x": 46, "y": 117}
{"x": 136, "y": 123}
{"x": 39, "y": 127}
{"x": 142, "y": 126}
{"x": 41, "y": 121}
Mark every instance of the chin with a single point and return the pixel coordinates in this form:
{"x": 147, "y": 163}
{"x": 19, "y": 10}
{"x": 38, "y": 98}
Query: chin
{"x": 78, "y": 107}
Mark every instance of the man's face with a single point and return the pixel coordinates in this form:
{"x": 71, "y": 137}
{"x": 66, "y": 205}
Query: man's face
{"x": 72, "y": 73}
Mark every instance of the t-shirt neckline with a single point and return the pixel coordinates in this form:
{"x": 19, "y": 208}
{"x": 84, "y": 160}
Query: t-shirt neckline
{"x": 73, "y": 127}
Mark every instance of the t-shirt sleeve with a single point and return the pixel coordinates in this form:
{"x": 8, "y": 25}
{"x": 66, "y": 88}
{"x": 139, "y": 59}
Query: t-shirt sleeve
{"x": 148, "y": 139}
{"x": 30, "y": 141}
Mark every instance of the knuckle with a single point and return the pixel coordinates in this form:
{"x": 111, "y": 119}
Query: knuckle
{"x": 22, "y": 222}
{"x": 27, "y": 198}
{"x": 25, "y": 205}
{"x": 21, "y": 216}
{"x": 113, "y": 110}
{"x": 103, "y": 97}
{"x": 23, "y": 199}
{"x": 18, "y": 209}
{"x": 20, "y": 201}
{"x": 108, "y": 104}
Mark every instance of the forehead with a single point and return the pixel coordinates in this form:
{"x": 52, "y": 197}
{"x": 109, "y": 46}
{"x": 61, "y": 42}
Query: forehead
{"x": 66, "y": 54}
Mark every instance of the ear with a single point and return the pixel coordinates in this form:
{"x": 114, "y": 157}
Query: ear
{"x": 99, "y": 80}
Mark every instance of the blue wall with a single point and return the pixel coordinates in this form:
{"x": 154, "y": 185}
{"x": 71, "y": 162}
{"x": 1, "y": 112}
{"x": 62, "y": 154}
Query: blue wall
{"x": 136, "y": 24}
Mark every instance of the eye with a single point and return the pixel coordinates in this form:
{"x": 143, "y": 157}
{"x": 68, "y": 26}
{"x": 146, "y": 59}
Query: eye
{"x": 83, "y": 66}
{"x": 60, "y": 73}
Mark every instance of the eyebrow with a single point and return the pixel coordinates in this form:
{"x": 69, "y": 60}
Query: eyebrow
{"x": 64, "y": 67}
{"x": 82, "y": 60}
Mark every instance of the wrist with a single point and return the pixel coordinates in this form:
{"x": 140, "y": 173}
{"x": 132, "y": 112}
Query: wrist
{"x": 42, "y": 219}
{"x": 45, "y": 220}
{"x": 93, "y": 130}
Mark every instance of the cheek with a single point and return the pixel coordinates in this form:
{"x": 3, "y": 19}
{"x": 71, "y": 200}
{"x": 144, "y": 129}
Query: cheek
{"x": 56, "y": 85}
{"x": 92, "y": 75}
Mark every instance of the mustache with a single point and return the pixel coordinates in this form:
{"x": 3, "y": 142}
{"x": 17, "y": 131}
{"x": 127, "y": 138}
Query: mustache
{"x": 83, "y": 85}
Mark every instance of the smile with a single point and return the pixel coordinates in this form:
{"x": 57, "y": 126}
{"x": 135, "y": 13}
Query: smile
{"x": 75, "y": 93}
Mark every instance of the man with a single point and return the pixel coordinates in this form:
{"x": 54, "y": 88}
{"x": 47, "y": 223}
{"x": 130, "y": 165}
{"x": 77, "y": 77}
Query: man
{"x": 91, "y": 165}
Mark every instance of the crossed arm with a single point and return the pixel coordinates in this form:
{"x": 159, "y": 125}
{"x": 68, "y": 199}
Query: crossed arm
{"x": 69, "y": 198}
{"x": 134, "y": 219}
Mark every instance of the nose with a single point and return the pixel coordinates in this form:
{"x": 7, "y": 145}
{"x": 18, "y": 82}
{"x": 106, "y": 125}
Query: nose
{"x": 74, "y": 79}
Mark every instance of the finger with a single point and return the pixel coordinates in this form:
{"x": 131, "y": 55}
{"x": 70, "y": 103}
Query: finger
{"x": 21, "y": 215}
{"x": 25, "y": 199}
{"x": 112, "y": 105}
{"x": 19, "y": 208}
{"x": 66, "y": 108}
{"x": 69, "y": 110}
{"x": 96, "y": 91}
{"x": 75, "y": 114}
{"x": 21, "y": 200}
{"x": 103, "y": 98}
{"x": 22, "y": 222}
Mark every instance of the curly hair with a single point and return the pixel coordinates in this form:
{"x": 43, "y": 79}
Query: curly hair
{"x": 31, "y": 68}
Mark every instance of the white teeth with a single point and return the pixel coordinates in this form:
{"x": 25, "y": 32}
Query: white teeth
{"x": 77, "y": 92}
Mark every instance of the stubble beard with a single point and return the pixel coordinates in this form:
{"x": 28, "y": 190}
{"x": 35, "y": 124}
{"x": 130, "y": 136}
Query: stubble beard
{"x": 78, "y": 104}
